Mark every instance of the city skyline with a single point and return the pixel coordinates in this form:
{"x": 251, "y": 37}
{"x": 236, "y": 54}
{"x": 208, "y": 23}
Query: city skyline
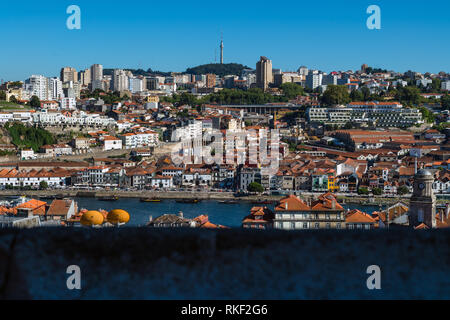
{"x": 328, "y": 37}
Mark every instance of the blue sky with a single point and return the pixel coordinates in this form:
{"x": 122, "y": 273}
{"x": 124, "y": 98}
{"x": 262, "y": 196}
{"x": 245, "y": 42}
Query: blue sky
{"x": 173, "y": 35}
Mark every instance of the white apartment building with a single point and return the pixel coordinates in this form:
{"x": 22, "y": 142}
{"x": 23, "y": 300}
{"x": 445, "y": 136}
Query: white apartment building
{"x": 37, "y": 85}
{"x": 314, "y": 80}
{"x": 139, "y": 139}
{"x": 136, "y": 85}
{"x": 120, "y": 80}
{"x": 68, "y": 104}
{"x": 55, "y": 89}
{"x": 424, "y": 82}
{"x": 192, "y": 130}
{"x": 6, "y": 117}
{"x": 80, "y": 118}
{"x": 445, "y": 85}
{"x": 162, "y": 182}
{"x": 383, "y": 114}
{"x": 15, "y": 178}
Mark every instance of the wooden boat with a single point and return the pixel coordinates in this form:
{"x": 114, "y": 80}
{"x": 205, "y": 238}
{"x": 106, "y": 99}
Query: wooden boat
{"x": 108, "y": 198}
{"x": 228, "y": 202}
{"x": 149, "y": 200}
{"x": 188, "y": 201}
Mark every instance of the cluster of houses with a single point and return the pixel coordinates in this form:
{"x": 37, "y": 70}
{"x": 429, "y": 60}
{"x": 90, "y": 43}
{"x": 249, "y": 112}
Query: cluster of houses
{"x": 293, "y": 213}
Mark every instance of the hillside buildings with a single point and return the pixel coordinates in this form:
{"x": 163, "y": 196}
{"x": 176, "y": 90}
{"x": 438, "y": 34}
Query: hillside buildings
{"x": 379, "y": 114}
{"x": 324, "y": 213}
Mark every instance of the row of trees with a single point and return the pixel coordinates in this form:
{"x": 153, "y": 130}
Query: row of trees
{"x": 236, "y": 96}
{"x": 402, "y": 190}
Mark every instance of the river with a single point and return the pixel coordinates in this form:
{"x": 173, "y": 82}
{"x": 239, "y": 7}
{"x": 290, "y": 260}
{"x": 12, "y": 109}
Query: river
{"x": 229, "y": 215}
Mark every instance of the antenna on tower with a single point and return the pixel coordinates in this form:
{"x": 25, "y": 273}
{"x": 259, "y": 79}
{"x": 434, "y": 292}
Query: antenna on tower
{"x": 221, "y": 47}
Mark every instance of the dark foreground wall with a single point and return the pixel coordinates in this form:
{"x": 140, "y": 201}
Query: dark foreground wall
{"x": 143, "y": 263}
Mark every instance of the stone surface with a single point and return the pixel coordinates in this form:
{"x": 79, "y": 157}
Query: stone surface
{"x": 142, "y": 263}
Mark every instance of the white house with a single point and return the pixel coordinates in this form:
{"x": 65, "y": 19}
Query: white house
{"x": 27, "y": 154}
{"x": 162, "y": 182}
{"x": 111, "y": 143}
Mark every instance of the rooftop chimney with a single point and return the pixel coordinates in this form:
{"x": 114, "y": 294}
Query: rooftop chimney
{"x": 286, "y": 205}
{"x": 333, "y": 204}
{"x": 180, "y": 214}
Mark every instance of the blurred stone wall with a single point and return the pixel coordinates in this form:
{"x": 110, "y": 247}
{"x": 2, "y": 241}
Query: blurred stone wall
{"x": 141, "y": 263}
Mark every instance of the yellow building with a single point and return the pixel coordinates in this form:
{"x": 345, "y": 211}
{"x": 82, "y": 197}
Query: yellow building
{"x": 152, "y": 99}
{"x": 332, "y": 187}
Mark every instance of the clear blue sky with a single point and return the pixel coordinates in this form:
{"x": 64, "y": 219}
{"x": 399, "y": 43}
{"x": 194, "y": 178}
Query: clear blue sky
{"x": 173, "y": 35}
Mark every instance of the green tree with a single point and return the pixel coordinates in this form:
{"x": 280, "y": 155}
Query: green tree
{"x": 366, "y": 93}
{"x": 291, "y": 90}
{"x": 255, "y": 187}
{"x": 363, "y": 191}
{"x": 445, "y": 102}
{"x": 35, "y": 102}
{"x": 408, "y": 95}
{"x": 427, "y": 115}
{"x": 13, "y": 99}
{"x": 356, "y": 95}
{"x": 402, "y": 190}
{"x": 436, "y": 84}
{"x": 377, "y": 191}
{"x": 43, "y": 185}
{"x": 29, "y": 137}
{"x": 336, "y": 95}
{"x": 2, "y": 95}
{"x": 348, "y": 125}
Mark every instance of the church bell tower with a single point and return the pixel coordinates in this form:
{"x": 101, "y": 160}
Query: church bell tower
{"x": 422, "y": 207}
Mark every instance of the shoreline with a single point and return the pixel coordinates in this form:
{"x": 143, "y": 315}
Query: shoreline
{"x": 177, "y": 195}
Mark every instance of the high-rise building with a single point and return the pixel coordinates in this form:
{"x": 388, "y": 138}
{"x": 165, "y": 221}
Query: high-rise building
{"x": 96, "y": 72}
{"x": 72, "y": 89}
{"x": 264, "y": 74}
{"x": 303, "y": 71}
{"x": 85, "y": 77}
{"x": 330, "y": 79}
{"x": 210, "y": 80}
{"x": 313, "y": 80}
{"x": 68, "y": 74}
{"x": 37, "y": 85}
{"x": 120, "y": 80}
{"x": 55, "y": 89}
{"x": 136, "y": 85}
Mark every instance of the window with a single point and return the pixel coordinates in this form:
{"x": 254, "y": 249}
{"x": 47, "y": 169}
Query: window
{"x": 305, "y": 225}
{"x": 328, "y": 225}
{"x": 316, "y": 225}
{"x": 420, "y": 215}
{"x": 292, "y": 225}
{"x": 338, "y": 225}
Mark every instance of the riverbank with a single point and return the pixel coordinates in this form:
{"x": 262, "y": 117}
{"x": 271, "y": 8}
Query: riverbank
{"x": 175, "y": 195}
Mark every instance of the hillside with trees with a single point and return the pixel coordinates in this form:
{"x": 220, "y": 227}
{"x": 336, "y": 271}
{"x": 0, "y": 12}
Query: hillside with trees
{"x": 28, "y": 137}
{"x": 218, "y": 69}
